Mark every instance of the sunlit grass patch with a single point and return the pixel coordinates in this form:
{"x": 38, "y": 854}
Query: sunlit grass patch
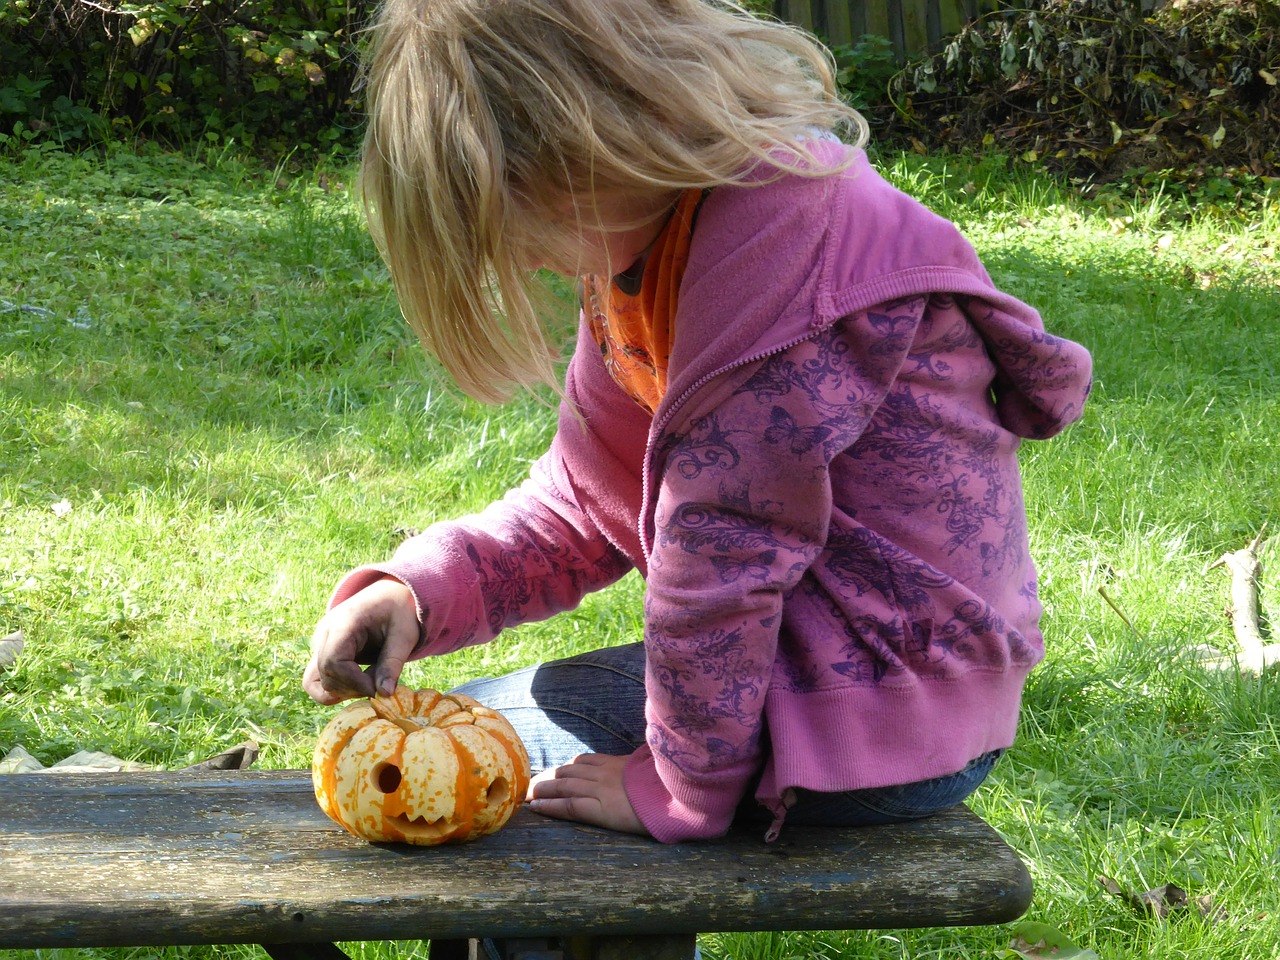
{"x": 210, "y": 410}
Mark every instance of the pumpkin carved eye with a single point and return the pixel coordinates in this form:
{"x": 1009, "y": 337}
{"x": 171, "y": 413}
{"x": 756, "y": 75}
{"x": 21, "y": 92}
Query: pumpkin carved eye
{"x": 388, "y": 777}
{"x": 497, "y": 792}
{"x": 419, "y": 767}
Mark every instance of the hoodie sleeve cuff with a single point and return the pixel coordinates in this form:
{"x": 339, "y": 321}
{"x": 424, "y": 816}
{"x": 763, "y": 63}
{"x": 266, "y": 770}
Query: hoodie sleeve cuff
{"x": 445, "y": 591}
{"x": 357, "y": 580}
{"x": 689, "y": 812}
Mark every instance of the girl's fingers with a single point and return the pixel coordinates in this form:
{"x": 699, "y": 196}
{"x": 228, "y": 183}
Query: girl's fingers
{"x": 577, "y": 809}
{"x": 587, "y": 790}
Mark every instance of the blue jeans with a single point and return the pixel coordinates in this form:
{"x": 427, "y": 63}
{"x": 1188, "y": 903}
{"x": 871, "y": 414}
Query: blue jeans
{"x": 594, "y": 703}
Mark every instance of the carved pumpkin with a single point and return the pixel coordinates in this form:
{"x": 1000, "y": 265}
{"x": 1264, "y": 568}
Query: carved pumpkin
{"x": 420, "y": 767}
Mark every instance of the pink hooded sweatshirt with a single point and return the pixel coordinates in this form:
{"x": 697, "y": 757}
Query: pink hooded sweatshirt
{"x": 826, "y": 506}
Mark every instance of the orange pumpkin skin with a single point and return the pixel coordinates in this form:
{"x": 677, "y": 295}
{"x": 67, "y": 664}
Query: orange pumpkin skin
{"x": 420, "y": 767}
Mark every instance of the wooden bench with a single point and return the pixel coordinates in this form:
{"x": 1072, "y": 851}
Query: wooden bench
{"x": 154, "y": 859}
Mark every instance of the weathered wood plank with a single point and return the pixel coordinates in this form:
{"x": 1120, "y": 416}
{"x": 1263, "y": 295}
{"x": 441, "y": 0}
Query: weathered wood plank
{"x": 840, "y": 23}
{"x": 915, "y": 27}
{"x": 247, "y": 857}
{"x": 799, "y": 12}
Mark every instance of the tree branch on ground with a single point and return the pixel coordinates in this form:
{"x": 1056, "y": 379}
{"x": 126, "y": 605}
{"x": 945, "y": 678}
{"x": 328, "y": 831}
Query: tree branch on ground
{"x": 1254, "y": 654}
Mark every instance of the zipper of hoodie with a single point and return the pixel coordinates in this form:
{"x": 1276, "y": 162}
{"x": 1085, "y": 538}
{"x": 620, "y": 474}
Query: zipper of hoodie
{"x": 782, "y": 805}
{"x": 656, "y": 430}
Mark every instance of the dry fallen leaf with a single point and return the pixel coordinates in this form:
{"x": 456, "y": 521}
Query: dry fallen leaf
{"x": 1039, "y": 941}
{"x": 1164, "y": 901}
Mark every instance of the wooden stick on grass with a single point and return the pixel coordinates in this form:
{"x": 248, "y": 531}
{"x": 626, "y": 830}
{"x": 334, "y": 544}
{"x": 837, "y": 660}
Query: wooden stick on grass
{"x": 1255, "y": 654}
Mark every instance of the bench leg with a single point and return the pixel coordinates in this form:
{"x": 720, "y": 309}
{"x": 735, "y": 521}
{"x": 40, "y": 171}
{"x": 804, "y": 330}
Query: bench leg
{"x": 451, "y": 950}
{"x": 652, "y": 947}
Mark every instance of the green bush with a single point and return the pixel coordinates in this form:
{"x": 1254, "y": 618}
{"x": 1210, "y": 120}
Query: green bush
{"x": 276, "y": 75}
{"x": 864, "y": 70}
{"x": 273, "y": 74}
{"x": 1106, "y": 87}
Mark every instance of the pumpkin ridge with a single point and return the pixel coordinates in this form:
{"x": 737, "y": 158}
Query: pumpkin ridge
{"x": 514, "y": 749}
{"x": 519, "y": 763}
{"x": 391, "y": 815}
{"x": 333, "y": 741}
{"x": 424, "y": 701}
{"x": 464, "y": 804}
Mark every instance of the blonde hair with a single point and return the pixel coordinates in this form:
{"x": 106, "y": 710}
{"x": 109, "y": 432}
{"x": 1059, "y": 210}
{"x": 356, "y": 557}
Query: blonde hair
{"x": 486, "y": 114}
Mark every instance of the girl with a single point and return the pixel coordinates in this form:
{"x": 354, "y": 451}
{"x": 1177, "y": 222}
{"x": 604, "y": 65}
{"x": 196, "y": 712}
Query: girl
{"x": 794, "y": 406}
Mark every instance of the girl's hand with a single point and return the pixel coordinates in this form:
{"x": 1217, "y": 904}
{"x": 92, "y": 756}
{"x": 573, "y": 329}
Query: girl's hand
{"x": 378, "y": 626}
{"x": 589, "y": 790}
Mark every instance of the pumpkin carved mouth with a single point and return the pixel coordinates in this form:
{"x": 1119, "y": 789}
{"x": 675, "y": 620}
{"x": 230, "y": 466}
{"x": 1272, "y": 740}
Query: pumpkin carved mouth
{"x": 420, "y": 828}
{"x": 388, "y": 777}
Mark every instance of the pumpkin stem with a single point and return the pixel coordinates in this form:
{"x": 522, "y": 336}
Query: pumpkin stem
{"x": 385, "y": 710}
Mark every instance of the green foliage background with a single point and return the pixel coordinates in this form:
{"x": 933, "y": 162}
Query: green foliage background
{"x": 1095, "y": 88}
{"x": 1104, "y": 88}
{"x": 276, "y": 75}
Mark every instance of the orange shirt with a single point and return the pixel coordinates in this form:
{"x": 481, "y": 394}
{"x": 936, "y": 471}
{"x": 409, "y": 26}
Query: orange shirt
{"x": 635, "y": 328}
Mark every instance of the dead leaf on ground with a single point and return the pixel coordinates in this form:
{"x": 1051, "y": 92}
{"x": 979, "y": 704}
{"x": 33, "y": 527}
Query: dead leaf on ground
{"x": 1165, "y": 901}
{"x": 239, "y": 757}
{"x": 1039, "y": 941}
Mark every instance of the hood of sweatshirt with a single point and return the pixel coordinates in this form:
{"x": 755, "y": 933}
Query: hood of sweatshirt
{"x": 787, "y": 257}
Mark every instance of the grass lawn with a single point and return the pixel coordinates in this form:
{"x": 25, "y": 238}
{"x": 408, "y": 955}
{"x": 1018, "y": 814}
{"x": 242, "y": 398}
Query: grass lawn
{"x": 209, "y": 411}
